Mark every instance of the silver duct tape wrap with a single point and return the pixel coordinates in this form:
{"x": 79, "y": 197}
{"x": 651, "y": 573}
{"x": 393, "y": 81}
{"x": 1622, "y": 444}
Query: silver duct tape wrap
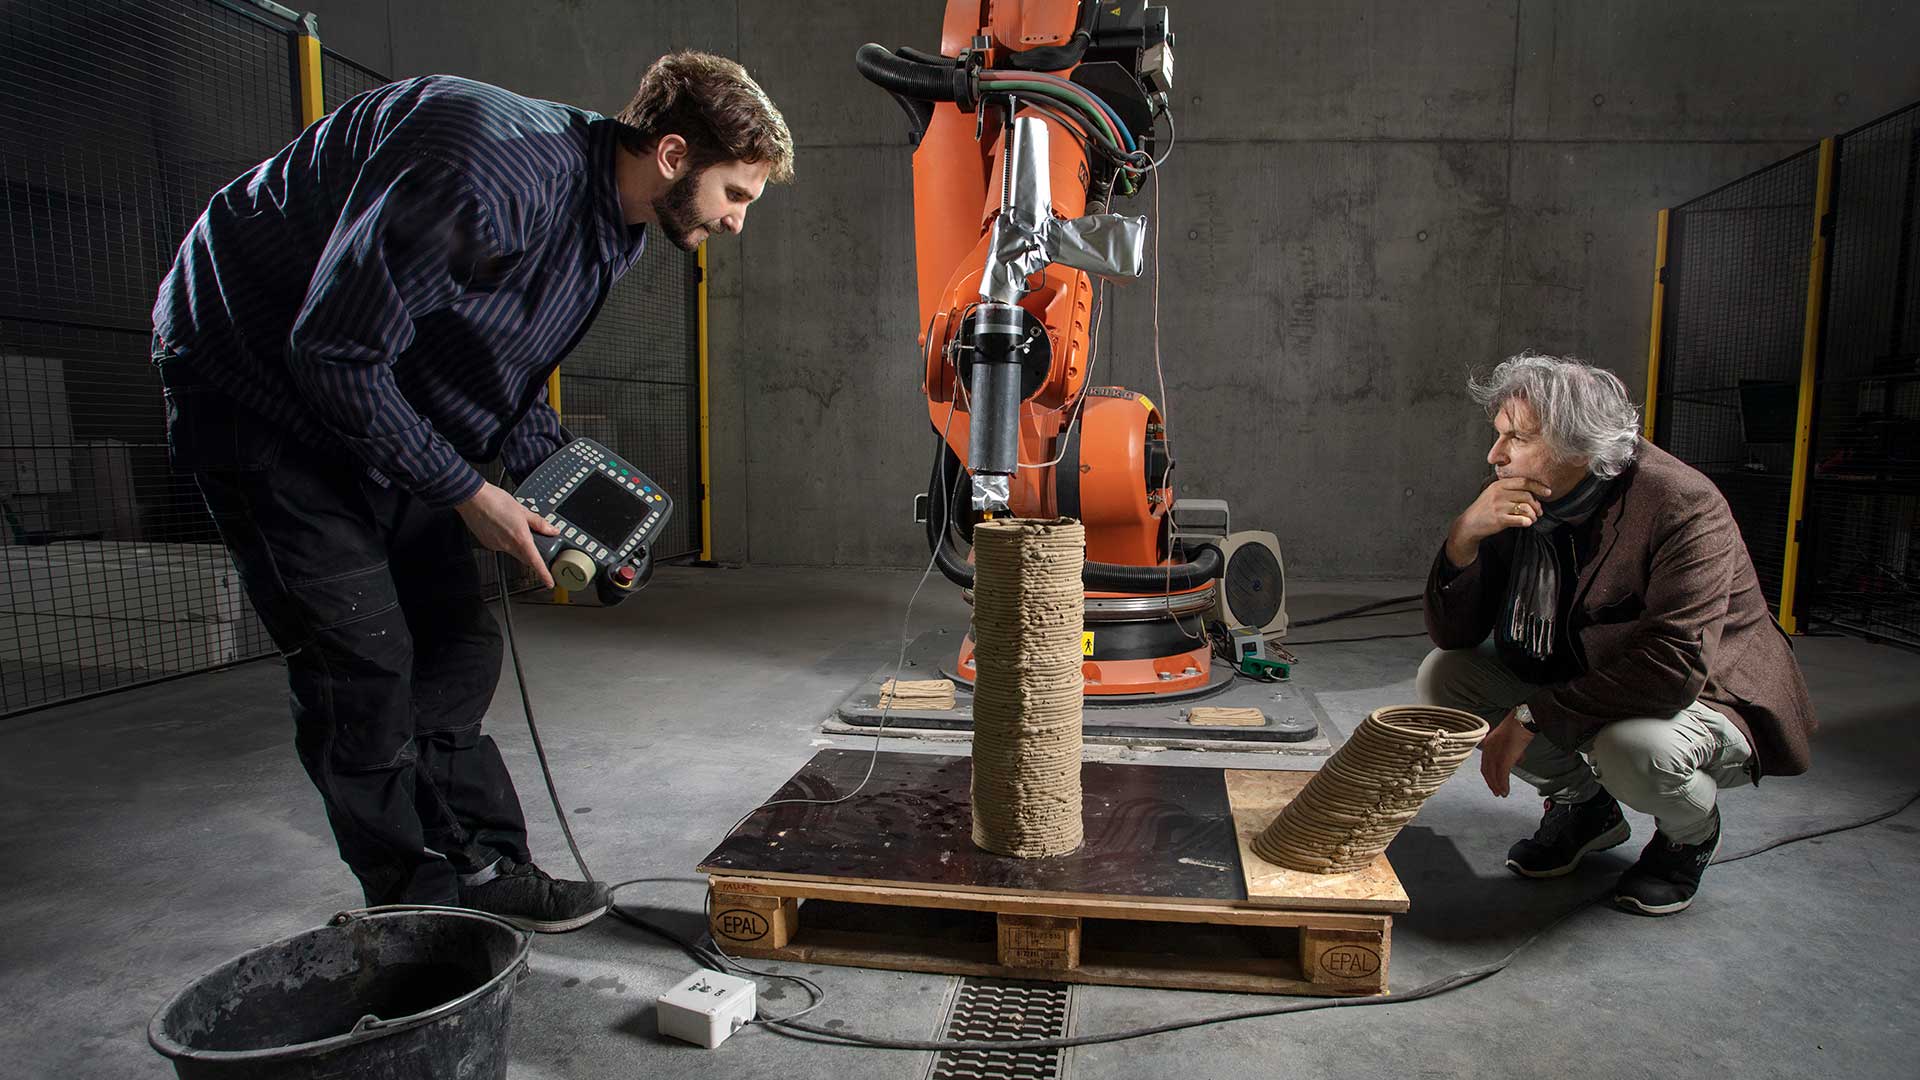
{"x": 1027, "y": 236}
{"x": 992, "y": 492}
{"x": 1027, "y": 618}
{"x": 1112, "y": 246}
{"x": 1370, "y": 788}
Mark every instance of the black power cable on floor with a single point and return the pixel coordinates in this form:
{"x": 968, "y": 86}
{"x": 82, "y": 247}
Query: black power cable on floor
{"x": 526, "y": 702}
{"x": 1354, "y": 640}
{"x": 1349, "y": 613}
{"x": 790, "y": 1025}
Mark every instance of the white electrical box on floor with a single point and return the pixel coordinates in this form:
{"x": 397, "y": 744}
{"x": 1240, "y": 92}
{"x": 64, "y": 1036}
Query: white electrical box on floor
{"x": 706, "y": 1008}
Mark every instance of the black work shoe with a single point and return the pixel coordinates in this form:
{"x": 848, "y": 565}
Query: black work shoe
{"x": 1667, "y": 875}
{"x": 1568, "y": 833}
{"x": 524, "y": 895}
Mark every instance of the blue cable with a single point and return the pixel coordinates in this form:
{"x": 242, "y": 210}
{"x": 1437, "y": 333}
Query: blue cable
{"x": 1079, "y": 91}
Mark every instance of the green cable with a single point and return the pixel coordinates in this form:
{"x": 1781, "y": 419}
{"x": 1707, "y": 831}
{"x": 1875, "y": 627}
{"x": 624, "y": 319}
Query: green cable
{"x": 1089, "y": 100}
{"x": 1104, "y": 130}
{"x": 1102, "y": 127}
{"x": 1075, "y": 126}
{"x": 1111, "y": 134}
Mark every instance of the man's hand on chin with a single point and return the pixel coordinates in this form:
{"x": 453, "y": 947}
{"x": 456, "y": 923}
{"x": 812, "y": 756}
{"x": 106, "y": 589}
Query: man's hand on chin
{"x": 1510, "y": 502}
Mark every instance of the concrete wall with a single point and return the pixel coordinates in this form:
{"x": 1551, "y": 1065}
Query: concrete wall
{"x": 1369, "y": 199}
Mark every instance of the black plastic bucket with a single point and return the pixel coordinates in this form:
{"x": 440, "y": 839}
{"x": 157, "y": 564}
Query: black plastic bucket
{"x": 413, "y": 993}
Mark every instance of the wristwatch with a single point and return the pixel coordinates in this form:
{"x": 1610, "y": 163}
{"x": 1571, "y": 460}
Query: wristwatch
{"x": 1525, "y": 716}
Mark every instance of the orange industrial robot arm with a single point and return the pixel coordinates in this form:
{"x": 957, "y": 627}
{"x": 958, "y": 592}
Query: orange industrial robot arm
{"x": 1031, "y": 121}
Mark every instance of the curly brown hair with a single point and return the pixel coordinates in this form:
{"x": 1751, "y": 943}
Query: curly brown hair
{"x": 713, "y": 103}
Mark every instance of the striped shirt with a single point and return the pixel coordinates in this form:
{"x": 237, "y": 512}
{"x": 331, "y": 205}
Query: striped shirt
{"x": 399, "y": 281}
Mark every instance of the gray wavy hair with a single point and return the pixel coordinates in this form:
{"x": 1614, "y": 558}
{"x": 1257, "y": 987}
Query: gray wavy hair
{"x": 1583, "y": 410}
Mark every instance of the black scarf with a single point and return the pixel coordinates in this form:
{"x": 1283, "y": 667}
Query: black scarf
{"x": 1529, "y": 617}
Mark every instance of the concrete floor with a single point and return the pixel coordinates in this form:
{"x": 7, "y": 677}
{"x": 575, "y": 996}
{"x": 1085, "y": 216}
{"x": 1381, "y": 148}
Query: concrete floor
{"x": 151, "y": 835}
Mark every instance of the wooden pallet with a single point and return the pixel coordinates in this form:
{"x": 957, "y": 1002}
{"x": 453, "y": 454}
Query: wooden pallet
{"x": 1165, "y": 892}
{"x": 1109, "y": 942}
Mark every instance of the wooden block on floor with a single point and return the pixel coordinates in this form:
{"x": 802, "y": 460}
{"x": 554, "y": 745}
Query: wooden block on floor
{"x": 917, "y": 694}
{"x": 1218, "y": 716}
{"x": 745, "y": 922}
{"x": 1256, "y": 796}
{"x": 1039, "y": 941}
{"x": 1348, "y": 959}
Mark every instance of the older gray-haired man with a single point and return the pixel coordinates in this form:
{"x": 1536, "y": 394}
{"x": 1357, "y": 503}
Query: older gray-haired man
{"x": 1596, "y": 604}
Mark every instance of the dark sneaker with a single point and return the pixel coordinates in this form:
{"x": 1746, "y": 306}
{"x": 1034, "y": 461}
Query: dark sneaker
{"x": 524, "y": 895}
{"x": 1568, "y": 833}
{"x": 1667, "y": 875}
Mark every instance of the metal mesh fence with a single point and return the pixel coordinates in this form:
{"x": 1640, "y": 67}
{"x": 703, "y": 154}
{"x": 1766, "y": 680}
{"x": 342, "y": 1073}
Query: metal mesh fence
{"x": 633, "y": 382}
{"x": 1864, "y": 486}
{"x": 1731, "y": 345}
{"x": 109, "y": 149}
{"x": 341, "y": 78}
{"x": 118, "y": 119}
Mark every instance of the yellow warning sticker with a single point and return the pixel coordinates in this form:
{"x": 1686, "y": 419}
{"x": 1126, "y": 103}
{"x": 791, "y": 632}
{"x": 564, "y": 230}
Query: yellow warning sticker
{"x": 1147, "y": 401}
{"x": 1086, "y": 643}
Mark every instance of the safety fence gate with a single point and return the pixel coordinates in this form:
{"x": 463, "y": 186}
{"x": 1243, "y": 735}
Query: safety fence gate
{"x": 118, "y": 119}
{"x": 1784, "y": 363}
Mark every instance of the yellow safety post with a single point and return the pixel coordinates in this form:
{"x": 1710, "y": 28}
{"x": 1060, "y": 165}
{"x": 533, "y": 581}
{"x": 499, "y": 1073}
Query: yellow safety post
{"x": 1809, "y": 369}
{"x": 307, "y": 53}
{"x": 706, "y": 482}
{"x": 553, "y": 401}
{"x": 1653, "y": 334}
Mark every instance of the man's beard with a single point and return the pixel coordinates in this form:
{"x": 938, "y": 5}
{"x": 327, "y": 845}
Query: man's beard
{"x": 675, "y": 211}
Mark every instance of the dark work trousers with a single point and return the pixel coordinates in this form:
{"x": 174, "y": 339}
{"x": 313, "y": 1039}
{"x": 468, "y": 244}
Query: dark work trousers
{"x": 374, "y": 599}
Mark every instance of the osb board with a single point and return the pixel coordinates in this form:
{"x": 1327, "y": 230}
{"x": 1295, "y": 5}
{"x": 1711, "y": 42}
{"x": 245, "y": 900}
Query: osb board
{"x": 1256, "y": 796}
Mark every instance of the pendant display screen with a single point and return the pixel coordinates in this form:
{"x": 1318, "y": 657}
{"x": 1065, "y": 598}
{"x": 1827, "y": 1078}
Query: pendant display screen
{"x": 603, "y": 510}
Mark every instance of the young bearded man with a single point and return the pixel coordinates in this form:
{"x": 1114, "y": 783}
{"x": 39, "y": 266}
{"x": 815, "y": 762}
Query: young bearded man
{"x": 345, "y": 331}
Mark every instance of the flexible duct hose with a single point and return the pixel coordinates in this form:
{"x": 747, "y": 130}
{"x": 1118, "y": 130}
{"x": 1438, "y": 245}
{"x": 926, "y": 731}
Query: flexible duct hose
{"x": 898, "y": 75}
{"x": 918, "y": 57}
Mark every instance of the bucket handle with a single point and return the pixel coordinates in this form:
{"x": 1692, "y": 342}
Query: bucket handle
{"x": 342, "y": 918}
{"x": 368, "y": 1023}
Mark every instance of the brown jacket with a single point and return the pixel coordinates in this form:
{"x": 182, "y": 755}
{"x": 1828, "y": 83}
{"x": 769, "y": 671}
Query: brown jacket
{"x": 1666, "y": 611}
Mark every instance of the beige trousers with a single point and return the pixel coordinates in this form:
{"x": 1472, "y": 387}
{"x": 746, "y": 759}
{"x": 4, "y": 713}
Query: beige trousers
{"x": 1670, "y": 767}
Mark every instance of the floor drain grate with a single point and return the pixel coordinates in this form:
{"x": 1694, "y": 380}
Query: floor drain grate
{"x": 997, "y": 1009}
